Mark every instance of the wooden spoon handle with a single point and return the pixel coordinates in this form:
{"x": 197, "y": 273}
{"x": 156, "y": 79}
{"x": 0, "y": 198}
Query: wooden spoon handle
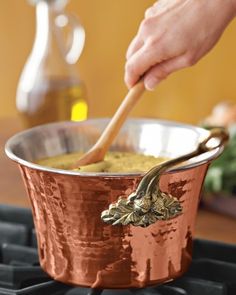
{"x": 98, "y": 151}
{"x": 112, "y": 129}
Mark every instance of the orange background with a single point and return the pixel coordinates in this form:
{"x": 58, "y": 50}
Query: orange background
{"x": 186, "y": 96}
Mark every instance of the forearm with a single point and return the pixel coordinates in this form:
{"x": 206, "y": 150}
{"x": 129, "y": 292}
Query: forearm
{"x": 227, "y": 9}
{"x": 233, "y": 6}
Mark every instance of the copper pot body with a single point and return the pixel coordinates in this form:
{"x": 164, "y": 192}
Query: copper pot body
{"x": 75, "y": 245}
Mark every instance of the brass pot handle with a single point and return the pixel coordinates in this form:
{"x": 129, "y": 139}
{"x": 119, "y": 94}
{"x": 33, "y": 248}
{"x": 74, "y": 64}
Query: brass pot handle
{"x": 148, "y": 203}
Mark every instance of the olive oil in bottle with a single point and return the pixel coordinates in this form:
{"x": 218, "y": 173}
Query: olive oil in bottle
{"x": 49, "y": 88}
{"x": 61, "y": 100}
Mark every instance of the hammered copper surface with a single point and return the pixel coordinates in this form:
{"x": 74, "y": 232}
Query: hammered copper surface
{"x": 76, "y": 246}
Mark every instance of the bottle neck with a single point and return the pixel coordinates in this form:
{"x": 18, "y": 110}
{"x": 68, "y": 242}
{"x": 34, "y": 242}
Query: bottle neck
{"x": 49, "y": 45}
{"x": 46, "y": 12}
{"x": 44, "y": 19}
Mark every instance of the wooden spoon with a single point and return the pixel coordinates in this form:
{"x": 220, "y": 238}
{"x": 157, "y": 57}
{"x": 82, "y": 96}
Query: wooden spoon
{"x": 98, "y": 151}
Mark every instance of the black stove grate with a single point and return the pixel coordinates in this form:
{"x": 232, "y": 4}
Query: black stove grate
{"x": 212, "y": 272}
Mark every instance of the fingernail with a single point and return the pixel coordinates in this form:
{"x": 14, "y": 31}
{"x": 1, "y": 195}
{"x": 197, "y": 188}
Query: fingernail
{"x": 151, "y": 83}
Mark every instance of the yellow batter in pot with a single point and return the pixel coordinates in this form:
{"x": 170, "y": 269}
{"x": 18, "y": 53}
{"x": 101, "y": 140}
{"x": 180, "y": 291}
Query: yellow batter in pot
{"x": 113, "y": 162}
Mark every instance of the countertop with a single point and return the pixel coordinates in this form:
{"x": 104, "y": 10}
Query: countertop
{"x": 209, "y": 225}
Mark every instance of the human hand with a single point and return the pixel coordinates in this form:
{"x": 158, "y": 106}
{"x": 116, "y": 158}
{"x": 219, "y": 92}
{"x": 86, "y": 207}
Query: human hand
{"x": 175, "y": 34}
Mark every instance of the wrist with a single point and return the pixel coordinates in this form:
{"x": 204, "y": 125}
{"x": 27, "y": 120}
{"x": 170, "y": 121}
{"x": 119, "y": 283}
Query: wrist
{"x": 232, "y": 4}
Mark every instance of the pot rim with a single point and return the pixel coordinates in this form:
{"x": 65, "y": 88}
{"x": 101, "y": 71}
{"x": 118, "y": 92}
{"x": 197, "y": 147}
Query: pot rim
{"x": 10, "y": 142}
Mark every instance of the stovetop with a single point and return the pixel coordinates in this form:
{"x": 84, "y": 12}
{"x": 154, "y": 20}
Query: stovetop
{"x": 212, "y": 272}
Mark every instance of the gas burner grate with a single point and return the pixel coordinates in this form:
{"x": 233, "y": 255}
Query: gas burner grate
{"x": 212, "y": 272}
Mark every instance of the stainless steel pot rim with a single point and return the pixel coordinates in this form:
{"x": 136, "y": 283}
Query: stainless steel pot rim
{"x": 14, "y": 157}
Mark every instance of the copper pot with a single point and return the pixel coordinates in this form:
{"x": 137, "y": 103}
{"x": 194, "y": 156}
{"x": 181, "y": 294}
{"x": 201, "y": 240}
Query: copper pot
{"x": 75, "y": 245}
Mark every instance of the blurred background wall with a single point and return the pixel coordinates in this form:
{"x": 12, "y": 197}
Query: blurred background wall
{"x": 110, "y": 25}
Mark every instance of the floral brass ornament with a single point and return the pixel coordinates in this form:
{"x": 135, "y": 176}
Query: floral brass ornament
{"x": 148, "y": 203}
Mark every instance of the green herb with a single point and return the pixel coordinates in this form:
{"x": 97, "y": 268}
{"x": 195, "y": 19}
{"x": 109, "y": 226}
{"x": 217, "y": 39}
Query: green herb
{"x": 221, "y": 176}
